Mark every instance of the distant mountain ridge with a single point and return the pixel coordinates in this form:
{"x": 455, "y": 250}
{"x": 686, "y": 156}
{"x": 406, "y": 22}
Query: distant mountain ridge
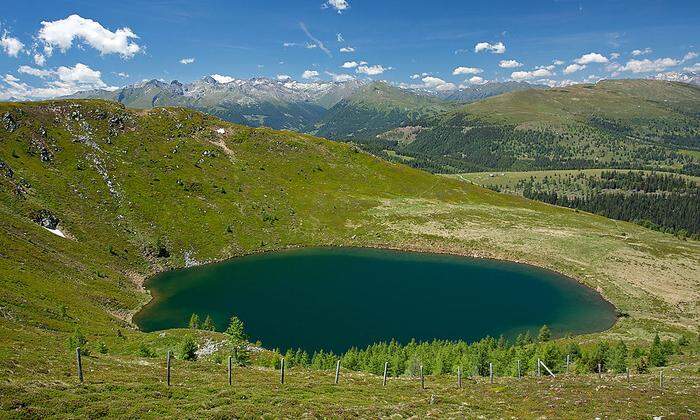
{"x": 478, "y": 92}
{"x": 256, "y": 102}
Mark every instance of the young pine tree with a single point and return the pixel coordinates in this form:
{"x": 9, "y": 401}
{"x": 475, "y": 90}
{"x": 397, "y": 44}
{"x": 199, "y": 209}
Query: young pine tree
{"x": 194, "y": 322}
{"x": 544, "y": 335}
{"x": 188, "y": 348}
{"x": 208, "y": 324}
{"x": 618, "y": 357}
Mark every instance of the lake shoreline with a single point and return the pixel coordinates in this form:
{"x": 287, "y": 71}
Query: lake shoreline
{"x": 154, "y": 298}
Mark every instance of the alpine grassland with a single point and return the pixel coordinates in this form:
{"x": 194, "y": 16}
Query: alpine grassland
{"x": 95, "y": 198}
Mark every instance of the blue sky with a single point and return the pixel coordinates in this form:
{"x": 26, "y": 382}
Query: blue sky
{"x": 438, "y": 44}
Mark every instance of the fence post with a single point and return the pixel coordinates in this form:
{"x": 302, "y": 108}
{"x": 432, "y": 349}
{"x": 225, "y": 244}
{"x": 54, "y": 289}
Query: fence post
{"x": 230, "y": 373}
{"x": 459, "y": 377}
{"x": 80, "y": 364}
{"x": 167, "y": 375}
{"x": 600, "y": 371}
{"x": 386, "y": 366}
{"x": 518, "y": 368}
{"x": 282, "y": 371}
{"x": 337, "y": 371}
{"x": 422, "y": 378}
{"x": 491, "y": 371}
{"x": 661, "y": 379}
{"x": 568, "y": 360}
{"x": 628, "y": 376}
{"x": 539, "y": 372}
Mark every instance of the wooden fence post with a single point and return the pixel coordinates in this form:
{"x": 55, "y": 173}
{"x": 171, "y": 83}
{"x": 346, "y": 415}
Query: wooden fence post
{"x": 628, "y": 376}
{"x": 230, "y": 373}
{"x": 568, "y": 360}
{"x": 386, "y": 366}
{"x": 459, "y": 377}
{"x": 80, "y": 364}
{"x": 539, "y": 371}
{"x": 167, "y": 375}
{"x": 282, "y": 371}
{"x": 337, "y": 371}
{"x": 491, "y": 371}
{"x": 518, "y": 368}
{"x": 422, "y": 378}
{"x": 600, "y": 371}
{"x": 661, "y": 379}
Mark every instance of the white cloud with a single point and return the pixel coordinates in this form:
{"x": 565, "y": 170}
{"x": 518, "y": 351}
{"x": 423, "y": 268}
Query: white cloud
{"x": 371, "y": 70}
{"x": 339, "y": 37}
{"x": 694, "y": 68}
{"x": 310, "y": 46}
{"x": 290, "y": 44}
{"x": 222, "y": 79}
{"x": 646, "y": 65}
{"x": 509, "y": 64}
{"x": 188, "y": 60}
{"x": 349, "y": 65}
{"x": 476, "y": 80}
{"x": 497, "y": 48}
{"x": 549, "y": 67}
{"x": 338, "y": 5}
{"x": 526, "y": 75}
{"x": 347, "y": 50}
{"x": 615, "y": 55}
{"x": 314, "y": 40}
{"x": 35, "y": 72}
{"x": 674, "y": 76}
{"x": 309, "y": 74}
{"x": 645, "y": 51}
{"x": 61, "y": 33}
{"x": 122, "y": 74}
{"x": 415, "y": 76}
{"x": 558, "y": 62}
{"x": 11, "y": 46}
{"x": 39, "y": 59}
{"x": 591, "y": 58}
{"x": 284, "y": 77}
{"x": 555, "y": 83}
{"x": 340, "y": 77}
{"x": 431, "y": 82}
{"x": 572, "y": 68}
{"x": 466, "y": 70}
{"x": 689, "y": 56}
{"x": 61, "y": 81}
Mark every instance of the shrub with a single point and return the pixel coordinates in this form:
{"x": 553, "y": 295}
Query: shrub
{"x": 102, "y": 347}
{"x": 188, "y": 348}
{"x": 145, "y": 351}
{"x": 77, "y": 339}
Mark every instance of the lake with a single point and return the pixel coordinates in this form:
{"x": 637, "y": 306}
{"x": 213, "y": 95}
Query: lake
{"x": 335, "y": 298}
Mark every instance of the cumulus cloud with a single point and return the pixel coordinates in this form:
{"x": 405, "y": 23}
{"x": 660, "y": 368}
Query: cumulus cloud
{"x": 476, "y": 80}
{"x": 497, "y": 48}
{"x": 11, "y": 46}
{"x": 340, "y": 77}
{"x": 284, "y": 77}
{"x": 222, "y": 79}
{"x": 646, "y": 65}
{"x": 615, "y": 55}
{"x": 572, "y": 68}
{"x": 527, "y": 75}
{"x": 58, "y": 82}
{"x": 591, "y": 58}
{"x": 309, "y": 74}
{"x": 371, "y": 70}
{"x": 349, "y": 65}
{"x": 188, "y": 60}
{"x": 466, "y": 70}
{"x": 435, "y": 83}
{"x": 339, "y": 5}
{"x": 509, "y": 64}
{"x": 39, "y": 59}
{"x": 674, "y": 76}
{"x": 645, "y": 51}
{"x": 558, "y": 62}
{"x": 62, "y": 33}
{"x": 689, "y": 56}
{"x": 694, "y": 68}
{"x": 347, "y": 50}
{"x": 122, "y": 74}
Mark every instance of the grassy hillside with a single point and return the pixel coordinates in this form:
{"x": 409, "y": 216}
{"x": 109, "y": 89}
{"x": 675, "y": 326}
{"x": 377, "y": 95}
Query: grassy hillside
{"x": 638, "y": 124}
{"x": 374, "y": 109}
{"x": 136, "y": 192}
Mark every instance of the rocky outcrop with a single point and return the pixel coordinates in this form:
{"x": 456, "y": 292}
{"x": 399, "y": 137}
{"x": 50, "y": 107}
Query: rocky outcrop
{"x": 9, "y": 122}
{"x": 46, "y": 219}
